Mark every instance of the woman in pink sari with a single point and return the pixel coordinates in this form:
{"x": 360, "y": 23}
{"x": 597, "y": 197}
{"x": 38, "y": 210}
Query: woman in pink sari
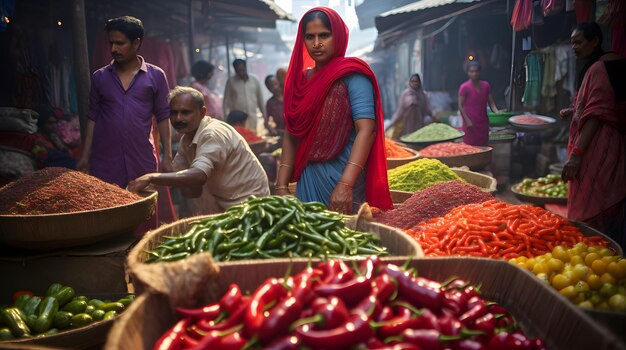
{"x": 474, "y": 95}
{"x": 596, "y": 169}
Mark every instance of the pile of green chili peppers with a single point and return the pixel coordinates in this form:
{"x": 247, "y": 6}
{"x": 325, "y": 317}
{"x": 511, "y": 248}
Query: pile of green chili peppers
{"x": 266, "y": 228}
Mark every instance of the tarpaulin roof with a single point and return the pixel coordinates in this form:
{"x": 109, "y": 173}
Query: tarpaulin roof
{"x": 419, "y": 11}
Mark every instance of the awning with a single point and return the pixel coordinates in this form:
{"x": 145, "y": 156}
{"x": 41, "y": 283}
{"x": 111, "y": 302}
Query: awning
{"x": 398, "y": 22}
{"x": 420, "y": 12}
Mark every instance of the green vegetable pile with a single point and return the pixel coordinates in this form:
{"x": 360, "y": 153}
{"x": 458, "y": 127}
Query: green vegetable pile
{"x": 432, "y": 132}
{"x": 266, "y": 228}
{"x": 59, "y": 309}
{"x": 549, "y": 186}
{"x": 419, "y": 174}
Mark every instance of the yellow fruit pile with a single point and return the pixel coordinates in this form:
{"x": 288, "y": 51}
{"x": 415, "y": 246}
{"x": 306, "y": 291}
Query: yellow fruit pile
{"x": 591, "y": 277}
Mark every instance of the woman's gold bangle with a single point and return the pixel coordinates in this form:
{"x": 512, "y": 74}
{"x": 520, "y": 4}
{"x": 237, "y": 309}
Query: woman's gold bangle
{"x": 284, "y": 165}
{"x": 355, "y": 164}
{"x": 281, "y": 187}
{"x": 345, "y": 184}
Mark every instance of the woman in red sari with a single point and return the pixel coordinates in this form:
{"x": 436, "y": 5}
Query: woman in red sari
{"x": 596, "y": 169}
{"x": 334, "y": 142}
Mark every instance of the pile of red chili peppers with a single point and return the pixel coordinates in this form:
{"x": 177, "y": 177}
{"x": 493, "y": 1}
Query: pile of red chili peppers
{"x": 332, "y": 306}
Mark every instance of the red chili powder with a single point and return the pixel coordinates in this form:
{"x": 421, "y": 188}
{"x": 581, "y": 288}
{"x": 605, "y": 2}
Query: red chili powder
{"x": 432, "y": 202}
{"x": 56, "y": 190}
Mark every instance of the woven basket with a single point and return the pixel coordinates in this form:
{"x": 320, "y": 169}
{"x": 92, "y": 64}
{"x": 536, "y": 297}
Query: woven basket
{"x": 52, "y": 231}
{"x": 165, "y": 277}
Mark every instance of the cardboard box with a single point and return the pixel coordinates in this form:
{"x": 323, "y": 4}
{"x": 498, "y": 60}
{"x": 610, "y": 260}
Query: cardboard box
{"x": 539, "y": 309}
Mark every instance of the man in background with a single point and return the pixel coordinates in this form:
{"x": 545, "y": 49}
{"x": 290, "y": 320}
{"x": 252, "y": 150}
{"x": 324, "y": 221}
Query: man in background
{"x": 243, "y": 92}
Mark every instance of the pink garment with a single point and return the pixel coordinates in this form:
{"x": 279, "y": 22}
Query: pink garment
{"x": 476, "y": 110}
{"x": 601, "y": 181}
{"x": 211, "y": 101}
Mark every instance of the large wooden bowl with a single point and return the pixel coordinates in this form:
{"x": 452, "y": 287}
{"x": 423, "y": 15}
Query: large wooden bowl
{"x": 52, "y": 231}
{"x": 486, "y": 183}
{"x": 537, "y": 200}
{"x": 396, "y": 162}
{"x": 475, "y": 161}
{"x": 258, "y": 147}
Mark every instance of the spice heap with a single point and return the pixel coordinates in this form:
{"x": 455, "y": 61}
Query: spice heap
{"x": 333, "y": 306}
{"x": 432, "y": 132}
{"x": 393, "y": 150}
{"x": 269, "y": 227}
{"x": 498, "y": 230}
{"x": 447, "y": 149}
{"x": 59, "y": 190}
{"x": 528, "y": 119}
{"x": 432, "y": 202}
{"x": 247, "y": 134}
{"x": 417, "y": 175}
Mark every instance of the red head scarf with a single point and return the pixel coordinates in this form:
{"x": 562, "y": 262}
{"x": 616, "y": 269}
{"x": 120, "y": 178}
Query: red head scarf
{"x": 305, "y": 97}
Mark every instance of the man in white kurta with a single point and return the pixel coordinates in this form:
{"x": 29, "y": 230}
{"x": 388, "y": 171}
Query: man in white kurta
{"x": 243, "y": 92}
{"x": 213, "y": 161}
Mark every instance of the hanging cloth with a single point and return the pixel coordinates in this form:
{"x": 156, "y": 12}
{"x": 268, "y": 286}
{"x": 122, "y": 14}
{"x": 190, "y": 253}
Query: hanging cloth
{"x": 548, "y": 88}
{"x": 532, "y": 91}
{"x": 522, "y": 15}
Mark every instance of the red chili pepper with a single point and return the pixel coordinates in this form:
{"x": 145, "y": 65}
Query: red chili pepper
{"x": 486, "y": 323}
{"x": 234, "y": 319}
{"x": 270, "y": 291}
{"x": 455, "y": 300}
{"x": 232, "y": 341}
{"x": 471, "y": 291}
{"x": 350, "y": 333}
{"x": 172, "y": 339}
{"x": 508, "y": 341}
{"x": 288, "y": 342}
{"x": 17, "y": 294}
{"x": 396, "y": 346}
{"x": 496, "y": 309}
{"x": 396, "y": 325}
{"x": 425, "y": 339}
{"x": 468, "y": 344}
{"x": 369, "y": 265}
{"x": 335, "y": 271}
{"x": 369, "y": 306}
{"x": 351, "y": 292}
{"x": 473, "y": 313}
{"x": 421, "y": 292}
{"x": 303, "y": 285}
{"x": 333, "y": 311}
{"x": 449, "y": 325}
{"x": 384, "y": 288}
{"x": 207, "y": 312}
{"x": 386, "y": 314}
{"x": 427, "y": 320}
{"x": 190, "y": 341}
{"x": 210, "y": 341}
{"x": 374, "y": 343}
{"x": 280, "y": 317}
{"x": 231, "y": 300}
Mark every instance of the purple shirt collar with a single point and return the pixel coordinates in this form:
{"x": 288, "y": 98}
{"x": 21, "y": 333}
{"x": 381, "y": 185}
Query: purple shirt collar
{"x": 144, "y": 66}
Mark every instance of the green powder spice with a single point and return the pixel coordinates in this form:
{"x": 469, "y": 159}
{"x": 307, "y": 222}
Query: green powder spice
{"x": 432, "y": 132}
{"x": 417, "y": 175}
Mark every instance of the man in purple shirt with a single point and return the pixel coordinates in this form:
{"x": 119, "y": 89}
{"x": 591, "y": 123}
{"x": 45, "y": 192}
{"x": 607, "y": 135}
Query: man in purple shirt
{"x": 124, "y": 96}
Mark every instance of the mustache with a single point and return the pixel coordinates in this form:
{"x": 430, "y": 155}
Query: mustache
{"x": 179, "y": 125}
{"x": 115, "y": 54}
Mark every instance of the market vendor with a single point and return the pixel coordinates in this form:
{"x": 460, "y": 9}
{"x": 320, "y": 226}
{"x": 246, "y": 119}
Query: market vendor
{"x": 213, "y": 160}
{"x": 596, "y": 168}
